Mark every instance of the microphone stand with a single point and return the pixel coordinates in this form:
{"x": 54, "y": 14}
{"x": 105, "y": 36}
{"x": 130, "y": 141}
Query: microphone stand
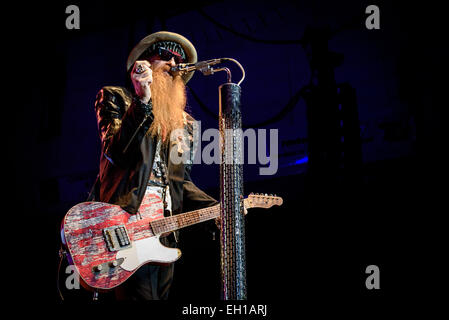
{"x": 232, "y": 233}
{"x": 232, "y": 240}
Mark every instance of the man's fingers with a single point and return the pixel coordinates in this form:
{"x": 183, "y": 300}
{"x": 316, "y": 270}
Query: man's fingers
{"x": 142, "y": 62}
{"x": 143, "y": 76}
{"x": 148, "y": 79}
{"x": 143, "y": 71}
{"x": 141, "y": 66}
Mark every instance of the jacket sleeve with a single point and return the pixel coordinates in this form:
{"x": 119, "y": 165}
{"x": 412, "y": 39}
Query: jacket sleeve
{"x": 121, "y": 129}
{"x": 195, "y": 198}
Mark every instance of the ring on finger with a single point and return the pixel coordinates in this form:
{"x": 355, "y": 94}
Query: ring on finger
{"x": 140, "y": 69}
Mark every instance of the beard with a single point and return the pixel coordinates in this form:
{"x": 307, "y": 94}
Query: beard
{"x": 169, "y": 100}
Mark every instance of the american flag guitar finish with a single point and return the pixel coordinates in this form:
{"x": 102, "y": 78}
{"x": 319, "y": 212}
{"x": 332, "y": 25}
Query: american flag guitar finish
{"x": 107, "y": 245}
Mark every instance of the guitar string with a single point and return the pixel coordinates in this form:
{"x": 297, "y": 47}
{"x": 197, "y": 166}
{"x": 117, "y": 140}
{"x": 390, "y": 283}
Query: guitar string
{"x": 175, "y": 222}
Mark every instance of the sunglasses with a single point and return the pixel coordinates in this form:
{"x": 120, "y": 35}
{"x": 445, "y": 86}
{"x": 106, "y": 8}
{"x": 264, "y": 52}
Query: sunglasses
{"x": 166, "y": 55}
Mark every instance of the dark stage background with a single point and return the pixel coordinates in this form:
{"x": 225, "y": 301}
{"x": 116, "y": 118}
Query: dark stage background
{"x": 360, "y": 138}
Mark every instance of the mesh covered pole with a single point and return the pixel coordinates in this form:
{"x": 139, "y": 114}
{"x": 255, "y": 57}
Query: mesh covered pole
{"x": 233, "y": 260}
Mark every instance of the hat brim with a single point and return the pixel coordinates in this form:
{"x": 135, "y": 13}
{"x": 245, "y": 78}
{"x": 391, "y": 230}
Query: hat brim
{"x": 188, "y": 47}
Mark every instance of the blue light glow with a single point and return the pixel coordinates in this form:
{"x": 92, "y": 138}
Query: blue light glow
{"x": 302, "y": 160}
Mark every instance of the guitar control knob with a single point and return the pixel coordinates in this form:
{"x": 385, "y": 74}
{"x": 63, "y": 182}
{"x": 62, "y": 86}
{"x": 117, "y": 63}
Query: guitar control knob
{"x": 113, "y": 264}
{"x": 98, "y": 268}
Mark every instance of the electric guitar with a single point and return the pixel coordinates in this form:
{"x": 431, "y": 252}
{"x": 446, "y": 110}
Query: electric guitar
{"x": 107, "y": 245}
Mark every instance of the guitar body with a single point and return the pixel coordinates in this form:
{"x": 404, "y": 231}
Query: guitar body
{"x": 107, "y": 245}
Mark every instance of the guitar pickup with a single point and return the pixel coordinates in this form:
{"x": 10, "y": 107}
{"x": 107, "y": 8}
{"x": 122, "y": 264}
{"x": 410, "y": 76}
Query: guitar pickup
{"x": 116, "y": 238}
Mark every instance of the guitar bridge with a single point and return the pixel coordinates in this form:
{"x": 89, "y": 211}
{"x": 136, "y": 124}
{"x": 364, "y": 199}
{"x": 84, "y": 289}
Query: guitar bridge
{"x": 116, "y": 238}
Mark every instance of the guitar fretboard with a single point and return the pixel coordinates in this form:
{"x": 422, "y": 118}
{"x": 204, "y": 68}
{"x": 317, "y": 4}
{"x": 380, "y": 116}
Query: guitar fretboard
{"x": 182, "y": 220}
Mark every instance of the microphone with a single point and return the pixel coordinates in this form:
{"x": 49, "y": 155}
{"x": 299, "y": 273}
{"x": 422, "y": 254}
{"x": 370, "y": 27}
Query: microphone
{"x": 203, "y": 66}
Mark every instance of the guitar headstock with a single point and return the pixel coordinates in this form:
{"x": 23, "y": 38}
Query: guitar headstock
{"x": 256, "y": 200}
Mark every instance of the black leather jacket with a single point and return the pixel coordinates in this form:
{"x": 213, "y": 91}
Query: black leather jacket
{"x": 128, "y": 153}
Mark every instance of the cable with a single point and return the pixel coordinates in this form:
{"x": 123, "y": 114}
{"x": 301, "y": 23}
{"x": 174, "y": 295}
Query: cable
{"x": 284, "y": 111}
{"x": 240, "y": 66}
{"x": 61, "y": 257}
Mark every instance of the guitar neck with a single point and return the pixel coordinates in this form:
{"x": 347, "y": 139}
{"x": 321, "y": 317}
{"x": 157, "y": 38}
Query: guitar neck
{"x": 173, "y": 223}
{"x": 182, "y": 220}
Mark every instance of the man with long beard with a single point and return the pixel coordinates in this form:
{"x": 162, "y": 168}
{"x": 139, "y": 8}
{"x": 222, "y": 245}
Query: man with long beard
{"x": 137, "y": 127}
